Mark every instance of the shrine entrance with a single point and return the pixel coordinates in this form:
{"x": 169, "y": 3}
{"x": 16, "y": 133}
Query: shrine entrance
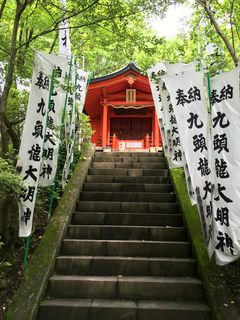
{"x": 121, "y": 109}
{"x": 130, "y": 133}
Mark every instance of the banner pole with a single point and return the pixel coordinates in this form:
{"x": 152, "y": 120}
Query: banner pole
{"x": 27, "y": 245}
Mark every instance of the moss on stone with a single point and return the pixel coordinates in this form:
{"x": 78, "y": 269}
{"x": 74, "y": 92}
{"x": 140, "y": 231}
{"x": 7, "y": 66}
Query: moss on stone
{"x": 32, "y": 289}
{"x": 216, "y": 290}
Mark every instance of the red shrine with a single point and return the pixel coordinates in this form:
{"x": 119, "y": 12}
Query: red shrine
{"x": 121, "y": 109}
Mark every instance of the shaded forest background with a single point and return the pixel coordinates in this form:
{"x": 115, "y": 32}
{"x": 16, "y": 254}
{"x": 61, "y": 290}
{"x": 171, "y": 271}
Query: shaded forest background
{"x": 105, "y": 35}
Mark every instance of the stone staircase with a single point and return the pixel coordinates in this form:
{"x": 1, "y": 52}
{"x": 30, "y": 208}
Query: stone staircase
{"x": 126, "y": 254}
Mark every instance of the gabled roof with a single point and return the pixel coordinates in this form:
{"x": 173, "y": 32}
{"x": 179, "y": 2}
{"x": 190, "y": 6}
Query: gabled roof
{"x": 130, "y": 67}
{"x": 114, "y": 86}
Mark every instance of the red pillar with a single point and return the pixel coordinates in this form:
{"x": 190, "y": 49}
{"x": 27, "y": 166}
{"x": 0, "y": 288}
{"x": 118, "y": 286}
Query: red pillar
{"x": 114, "y": 142}
{"x": 156, "y": 130}
{"x": 147, "y": 141}
{"x": 104, "y": 124}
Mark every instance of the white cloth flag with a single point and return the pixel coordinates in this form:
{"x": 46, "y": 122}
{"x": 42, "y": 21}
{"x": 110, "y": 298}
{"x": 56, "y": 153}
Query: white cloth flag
{"x": 70, "y": 125}
{"x": 171, "y": 128}
{"x": 81, "y": 88}
{"x": 56, "y": 107}
{"x": 64, "y": 38}
{"x": 154, "y": 77}
{"x": 188, "y": 99}
{"x": 225, "y": 102}
{"x": 177, "y": 157}
{"x": 31, "y": 148}
{"x": 2, "y": 77}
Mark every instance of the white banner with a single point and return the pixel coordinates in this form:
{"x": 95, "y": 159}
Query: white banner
{"x": 188, "y": 99}
{"x": 81, "y": 88}
{"x": 70, "y": 125}
{"x": 154, "y": 78}
{"x": 175, "y": 155}
{"x": 2, "y": 76}
{"x": 225, "y": 102}
{"x": 56, "y": 107}
{"x": 64, "y": 38}
{"x": 31, "y": 148}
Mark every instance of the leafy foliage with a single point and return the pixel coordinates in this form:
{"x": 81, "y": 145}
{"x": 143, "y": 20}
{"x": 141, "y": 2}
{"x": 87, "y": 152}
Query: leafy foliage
{"x": 10, "y": 182}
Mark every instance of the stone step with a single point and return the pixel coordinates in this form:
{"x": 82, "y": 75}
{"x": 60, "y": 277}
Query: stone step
{"x": 128, "y": 154}
{"x": 137, "y": 219}
{"x": 119, "y": 287}
{"x": 130, "y": 160}
{"x": 113, "y": 309}
{"x": 128, "y": 187}
{"x": 127, "y": 196}
{"x": 128, "y": 179}
{"x": 127, "y": 248}
{"x": 122, "y": 165}
{"x": 136, "y": 207}
{"x": 129, "y": 172}
{"x": 125, "y": 266}
{"x": 126, "y": 233}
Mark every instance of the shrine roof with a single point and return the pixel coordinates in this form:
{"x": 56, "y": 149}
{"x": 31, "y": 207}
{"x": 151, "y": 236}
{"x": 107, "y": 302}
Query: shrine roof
{"x": 130, "y": 67}
{"x": 112, "y": 87}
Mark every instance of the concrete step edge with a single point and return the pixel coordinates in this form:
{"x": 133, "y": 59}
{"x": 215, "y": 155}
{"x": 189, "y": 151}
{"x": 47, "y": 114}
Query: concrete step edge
{"x": 136, "y": 279}
{"x": 108, "y": 303}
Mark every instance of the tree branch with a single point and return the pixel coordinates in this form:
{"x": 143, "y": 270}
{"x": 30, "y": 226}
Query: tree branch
{"x": 231, "y": 23}
{"x": 57, "y": 23}
{"x": 14, "y": 123}
{"x": 2, "y": 7}
{"x": 210, "y": 14}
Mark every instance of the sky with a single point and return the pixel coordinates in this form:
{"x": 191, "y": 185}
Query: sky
{"x": 173, "y": 22}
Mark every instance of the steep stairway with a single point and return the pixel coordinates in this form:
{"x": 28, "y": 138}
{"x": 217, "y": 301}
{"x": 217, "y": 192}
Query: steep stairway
{"x": 126, "y": 254}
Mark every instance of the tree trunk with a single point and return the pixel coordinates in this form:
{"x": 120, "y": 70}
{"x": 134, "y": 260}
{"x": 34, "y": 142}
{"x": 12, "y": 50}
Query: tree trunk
{"x": 9, "y": 78}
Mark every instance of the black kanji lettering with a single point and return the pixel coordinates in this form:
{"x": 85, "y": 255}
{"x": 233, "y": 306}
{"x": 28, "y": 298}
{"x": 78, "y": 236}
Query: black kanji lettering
{"x": 176, "y": 142}
{"x": 221, "y": 169}
{"x": 222, "y": 216}
{"x": 41, "y": 106}
{"x": 64, "y": 39}
{"x": 46, "y": 171}
{"x": 220, "y": 142}
{"x": 30, "y": 173}
{"x": 173, "y": 119}
{"x": 27, "y": 215}
{"x": 48, "y": 153}
{"x": 209, "y": 209}
{"x": 219, "y": 120}
{"x": 58, "y": 72}
{"x": 203, "y": 167}
{"x": 214, "y": 98}
{"x": 224, "y": 241}
{"x": 226, "y": 93}
{"x": 207, "y": 188}
{"x": 52, "y": 106}
{"x": 38, "y": 130}
{"x": 29, "y": 194}
{"x": 35, "y": 152}
{"x": 181, "y": 97}
{"x": 174, "y": 131}
{"x": 194, "y": 94}
{"x": 177, "y": 155}
{"x": 193, "y": 120}
{"x": 199, "y": 143}
{"x": 49, "y": 136}
{"x": 221, "y": 194}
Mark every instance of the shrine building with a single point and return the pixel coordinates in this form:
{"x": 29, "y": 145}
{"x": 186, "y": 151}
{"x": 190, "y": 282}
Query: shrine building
{"x": 122, "y": 112}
